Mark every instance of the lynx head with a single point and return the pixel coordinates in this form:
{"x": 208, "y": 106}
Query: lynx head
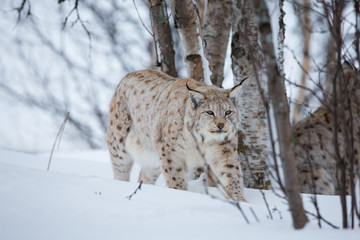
{"x": 215, "y": 113}
{"x": 349, "y": 83}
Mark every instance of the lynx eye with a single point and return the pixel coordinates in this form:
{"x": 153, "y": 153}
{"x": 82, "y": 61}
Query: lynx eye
{"x": 211, "y": 113}
{"x": 228, "y": 112}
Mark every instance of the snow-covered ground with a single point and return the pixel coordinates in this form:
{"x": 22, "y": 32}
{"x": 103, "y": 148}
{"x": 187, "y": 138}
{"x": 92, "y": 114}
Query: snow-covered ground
{"x": 78, "y": 199}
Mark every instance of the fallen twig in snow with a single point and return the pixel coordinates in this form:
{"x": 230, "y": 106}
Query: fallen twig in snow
{"x": 266, "y": 203}
{"x": 278, "y": 211}
{"x": 232, "y": 202}
{"x": 254, "y": 214}
{"x": 138, "y": 188}
{"x": 319, "y": 217}
{"x": 58, "y": 136}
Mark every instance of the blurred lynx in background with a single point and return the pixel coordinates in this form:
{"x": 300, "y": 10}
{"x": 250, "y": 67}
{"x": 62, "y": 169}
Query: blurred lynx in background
{"x": 316, "y": 157}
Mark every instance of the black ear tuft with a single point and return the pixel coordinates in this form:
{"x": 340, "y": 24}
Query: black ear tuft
{"x": 196, "y": 97}
{"x": 241, "y": 82}
{"x": 234, "y": 92}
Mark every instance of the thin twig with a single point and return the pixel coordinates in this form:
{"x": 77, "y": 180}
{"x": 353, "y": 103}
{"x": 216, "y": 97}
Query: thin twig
{"x": 142, "y": 22}
{"x": 234, "y": 203}
{"x": 324, "y": 220}
{"x": 275, "y": 209}
{"x": 78, "y": 18}
{"x": 217, "y": 181}
{"x": 21, "y": 8}
{"x": 254, "y": 214}
{"x": 58, "y": 136}
{"x": 137, "y": 189}
{"x": 311, "y": 91}
{"x": 266, "y": 203}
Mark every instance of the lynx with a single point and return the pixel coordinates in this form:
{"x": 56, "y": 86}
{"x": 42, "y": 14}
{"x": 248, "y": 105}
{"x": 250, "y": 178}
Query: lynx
{"x": 314, "y": 146}
{"x": 171, "y": 126}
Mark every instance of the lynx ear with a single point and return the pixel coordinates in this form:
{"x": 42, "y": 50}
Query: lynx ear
{"x": 196, "y": 97}
{"x": 234, "y": 92}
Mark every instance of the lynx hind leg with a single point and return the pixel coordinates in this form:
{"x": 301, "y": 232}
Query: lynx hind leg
{"x": 147, "y": 158}
{"x": 322, "y": 180}
{"x": 119, "y": 128}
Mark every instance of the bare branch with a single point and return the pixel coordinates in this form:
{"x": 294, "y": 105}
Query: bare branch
{"x": 21, "y": 8}
{"x": 78, "y": 18}
{"x": 322, "y": 219}
{"x": 137, "y": 189}
{"x": 217, "y": 181}
{"x": 58, "y": 136}
{"x": 142, "y": 22}
{"x": 266, "y": 203}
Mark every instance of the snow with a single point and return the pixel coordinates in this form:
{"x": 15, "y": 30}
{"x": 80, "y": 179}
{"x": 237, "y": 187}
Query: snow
{"x": 78, "y": 199}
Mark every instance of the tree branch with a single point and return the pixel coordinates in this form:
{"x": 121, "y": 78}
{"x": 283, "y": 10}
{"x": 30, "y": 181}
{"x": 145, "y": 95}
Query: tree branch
{"x": 137, "y": 189}
{"x": 78, "y": 18}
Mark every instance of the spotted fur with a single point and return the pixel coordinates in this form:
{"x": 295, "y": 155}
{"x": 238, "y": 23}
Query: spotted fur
{"x": 162, "y": 122}
{"x": 314, "y": 146}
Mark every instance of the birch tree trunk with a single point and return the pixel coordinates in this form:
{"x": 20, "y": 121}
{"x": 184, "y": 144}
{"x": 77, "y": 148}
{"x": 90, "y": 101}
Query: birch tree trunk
{"x": 253, "y": 118}
{"x": 278, "y": 98}
{"x": 330, "y": 62}
{"x": 306, "y": 31}
{"x": 216, "y": 31}
{"x": 162, "y": 31}
{"x": 188, "y": 26}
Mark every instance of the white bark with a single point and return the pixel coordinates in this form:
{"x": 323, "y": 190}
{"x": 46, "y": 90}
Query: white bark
{"x": 216, "y": 31}
{"x": 253, "y": 117}
{"x": 188, "y": 25}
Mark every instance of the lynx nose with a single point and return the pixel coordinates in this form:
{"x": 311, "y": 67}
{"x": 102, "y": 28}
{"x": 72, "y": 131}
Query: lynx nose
{"x": 220, "y": 125}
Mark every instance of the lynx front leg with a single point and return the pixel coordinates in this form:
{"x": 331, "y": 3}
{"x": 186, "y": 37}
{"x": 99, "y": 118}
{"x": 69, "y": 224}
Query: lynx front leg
{"x": 225, "y": 165}
{"x": 231, "y": 178}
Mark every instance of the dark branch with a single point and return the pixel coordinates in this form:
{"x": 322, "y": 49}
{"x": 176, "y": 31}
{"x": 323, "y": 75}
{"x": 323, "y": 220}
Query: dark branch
{"x": 137, "y": 189}
{"x": 58, "y": 137}
{"x": 324, "y": 220}
{"x": 78, "y": 18}
{"x": 21, "y": 8}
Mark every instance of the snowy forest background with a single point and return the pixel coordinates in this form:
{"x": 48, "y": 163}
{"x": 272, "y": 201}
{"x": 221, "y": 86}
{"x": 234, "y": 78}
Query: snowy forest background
{"x": 68, "y": 56}
{"x": 48, "y": 69}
